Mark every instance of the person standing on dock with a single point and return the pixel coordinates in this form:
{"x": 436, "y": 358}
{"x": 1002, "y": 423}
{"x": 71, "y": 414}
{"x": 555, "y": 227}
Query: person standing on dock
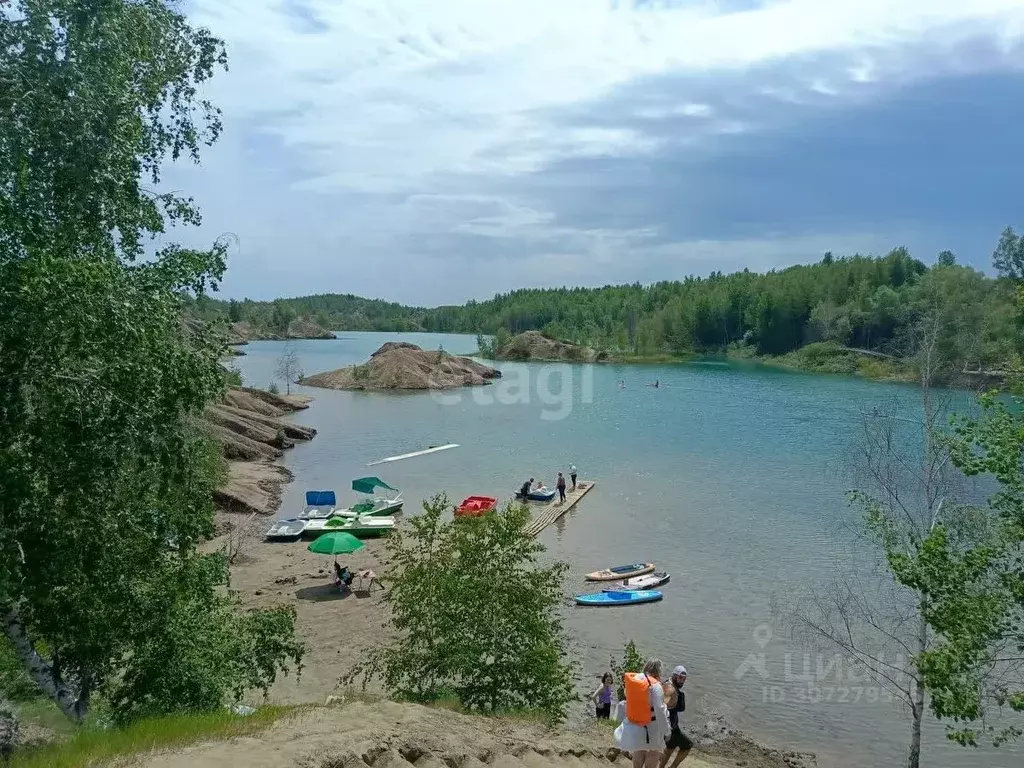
{"x": 561, "y": 488}
{"x": 572, "y": 475}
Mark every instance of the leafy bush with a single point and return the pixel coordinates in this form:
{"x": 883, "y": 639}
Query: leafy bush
{"x": 233, "y": 376}
{"x": 477, "y": 616}
{"x": 273, "y": 389}
{"x": 632, "y": 661}
{"x": 15, "y": 683}
{"x": 485, "y": 346}
{"x": 209, "y": 651}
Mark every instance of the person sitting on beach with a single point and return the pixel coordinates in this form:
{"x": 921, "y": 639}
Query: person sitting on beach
{"x": 342, "y": 576}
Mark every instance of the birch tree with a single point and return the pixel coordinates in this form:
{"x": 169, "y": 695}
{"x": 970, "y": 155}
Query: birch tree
{"x": 927, "y": 564}
{"x": 102, "y": 465}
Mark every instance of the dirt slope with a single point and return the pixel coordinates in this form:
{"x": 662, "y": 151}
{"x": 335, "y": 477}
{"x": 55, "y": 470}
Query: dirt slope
{"x": 399, "y": 365}
{"x": 392, "y": 735}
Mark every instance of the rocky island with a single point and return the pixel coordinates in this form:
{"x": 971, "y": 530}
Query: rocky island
{"x": 400, "y": 365}
{"x": 300, "y": 328}
{"x": 534, "y": 346}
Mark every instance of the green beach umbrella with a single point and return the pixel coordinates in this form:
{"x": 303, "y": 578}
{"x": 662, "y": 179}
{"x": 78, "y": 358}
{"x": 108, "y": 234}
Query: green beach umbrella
{"x": 336, "y": 543}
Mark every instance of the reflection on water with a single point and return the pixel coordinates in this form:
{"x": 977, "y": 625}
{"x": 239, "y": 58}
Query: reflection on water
{"x": 732, "y": 478}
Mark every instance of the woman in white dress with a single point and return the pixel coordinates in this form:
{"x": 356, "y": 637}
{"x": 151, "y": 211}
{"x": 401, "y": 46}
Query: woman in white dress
{"x": 645, "y": 742}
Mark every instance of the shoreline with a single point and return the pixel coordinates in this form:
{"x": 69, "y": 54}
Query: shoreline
{"x": 336, "y": 629}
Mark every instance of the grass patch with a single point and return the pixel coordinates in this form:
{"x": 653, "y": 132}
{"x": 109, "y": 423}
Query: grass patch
{"x": 654, "y": 358}
{"x": 91, "y": 745}
{"x": 828, "y": 357}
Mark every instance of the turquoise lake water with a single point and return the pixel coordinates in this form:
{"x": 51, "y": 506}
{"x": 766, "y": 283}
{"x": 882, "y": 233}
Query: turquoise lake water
{"x": 730, "y": 477}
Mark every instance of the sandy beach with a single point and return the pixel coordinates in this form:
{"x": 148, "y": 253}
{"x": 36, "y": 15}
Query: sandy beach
{"x": 334, "y": 627}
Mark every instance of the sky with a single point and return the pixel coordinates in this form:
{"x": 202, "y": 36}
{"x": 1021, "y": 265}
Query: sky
{"x": 434, "y": 151}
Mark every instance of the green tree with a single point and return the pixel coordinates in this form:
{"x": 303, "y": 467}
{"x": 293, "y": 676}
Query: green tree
{"x": 632, "y": 661}
{"x": 234, "y": 311}
{"x": 938, "y": 598}
{"x": 988, "y": 632}
{"x": 946, "y": 259}
{"x": 106, "y": 477}
{"x": 477, "y": 617}
{"x": 1008, "y": 257}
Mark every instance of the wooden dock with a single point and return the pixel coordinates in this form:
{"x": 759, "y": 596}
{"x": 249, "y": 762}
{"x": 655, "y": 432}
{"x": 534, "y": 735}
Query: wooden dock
{"x": 546, "y": 515}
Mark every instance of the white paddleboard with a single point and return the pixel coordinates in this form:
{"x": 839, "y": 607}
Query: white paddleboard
{"x": 424, "y": 452}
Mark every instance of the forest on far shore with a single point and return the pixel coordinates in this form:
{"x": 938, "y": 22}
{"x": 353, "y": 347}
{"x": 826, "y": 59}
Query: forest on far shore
{"x": 863, "y": 302}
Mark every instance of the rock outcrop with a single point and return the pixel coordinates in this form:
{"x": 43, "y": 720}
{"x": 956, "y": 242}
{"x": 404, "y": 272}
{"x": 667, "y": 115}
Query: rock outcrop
{"x": 533, "y": 345}
{"x": 243, "y": 332}
{"x": 400, "y": 365}
{"x": 252, "y": 435}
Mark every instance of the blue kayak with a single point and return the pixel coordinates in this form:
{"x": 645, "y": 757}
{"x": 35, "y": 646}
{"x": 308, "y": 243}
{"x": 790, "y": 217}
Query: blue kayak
{"x": 545, "y": 495}
{"x": 620, "y": 598}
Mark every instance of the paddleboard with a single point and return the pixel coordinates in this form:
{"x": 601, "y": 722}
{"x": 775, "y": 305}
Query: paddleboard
{"x": 424, "y": 452}
{"x": 605, "y": 599}
{"x": 650, "y": 581}
{"x": 620, "y": 572}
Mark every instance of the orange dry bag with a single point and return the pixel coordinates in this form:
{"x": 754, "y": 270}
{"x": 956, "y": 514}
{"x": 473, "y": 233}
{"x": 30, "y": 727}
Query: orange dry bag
{"x": 638, "y": 698}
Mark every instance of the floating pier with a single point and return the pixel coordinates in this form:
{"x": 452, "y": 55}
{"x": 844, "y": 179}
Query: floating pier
{"x": 547, "y": 514}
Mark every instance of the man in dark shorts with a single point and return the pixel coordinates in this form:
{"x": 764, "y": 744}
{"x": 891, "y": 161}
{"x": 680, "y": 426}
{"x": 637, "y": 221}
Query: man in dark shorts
{"x": 675, "y": 700}
{"x": 560, "y": 485}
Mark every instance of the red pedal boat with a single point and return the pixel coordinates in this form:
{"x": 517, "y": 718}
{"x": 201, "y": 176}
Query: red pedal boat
{"x": 474, "y": 506}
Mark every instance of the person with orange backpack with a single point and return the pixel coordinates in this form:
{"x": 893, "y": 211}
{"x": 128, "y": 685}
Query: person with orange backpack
{"x": 644, "y": 727}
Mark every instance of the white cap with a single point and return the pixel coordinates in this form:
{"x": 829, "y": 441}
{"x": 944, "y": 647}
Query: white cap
{"x": 680, "y": 670}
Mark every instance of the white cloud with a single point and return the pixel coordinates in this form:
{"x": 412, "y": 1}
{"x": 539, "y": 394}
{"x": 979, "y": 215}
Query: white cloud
{"x": 414, "y": 110}
{"x": 392, "y": 91}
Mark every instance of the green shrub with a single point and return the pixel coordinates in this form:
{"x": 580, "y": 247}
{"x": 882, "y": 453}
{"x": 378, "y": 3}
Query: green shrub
{"x": 233, "y": 376}
{"x": 477, "y": 617}
{"x": 15, "y": 683}
{"x": 632, "y": 661}
{"x": 273, "y": 389}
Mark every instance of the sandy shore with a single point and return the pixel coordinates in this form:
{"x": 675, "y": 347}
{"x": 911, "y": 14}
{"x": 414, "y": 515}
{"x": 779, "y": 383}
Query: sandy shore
{"x": 336, "y": 629}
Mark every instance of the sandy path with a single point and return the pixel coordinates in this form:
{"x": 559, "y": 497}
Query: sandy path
{"x": 392, "y": 735}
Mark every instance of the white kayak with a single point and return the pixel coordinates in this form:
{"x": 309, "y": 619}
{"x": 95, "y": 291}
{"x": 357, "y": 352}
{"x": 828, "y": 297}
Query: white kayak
{"x": 650, "y": 581}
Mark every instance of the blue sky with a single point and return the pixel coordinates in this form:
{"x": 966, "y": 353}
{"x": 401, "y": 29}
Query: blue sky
{"x": 435, "y": 152}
